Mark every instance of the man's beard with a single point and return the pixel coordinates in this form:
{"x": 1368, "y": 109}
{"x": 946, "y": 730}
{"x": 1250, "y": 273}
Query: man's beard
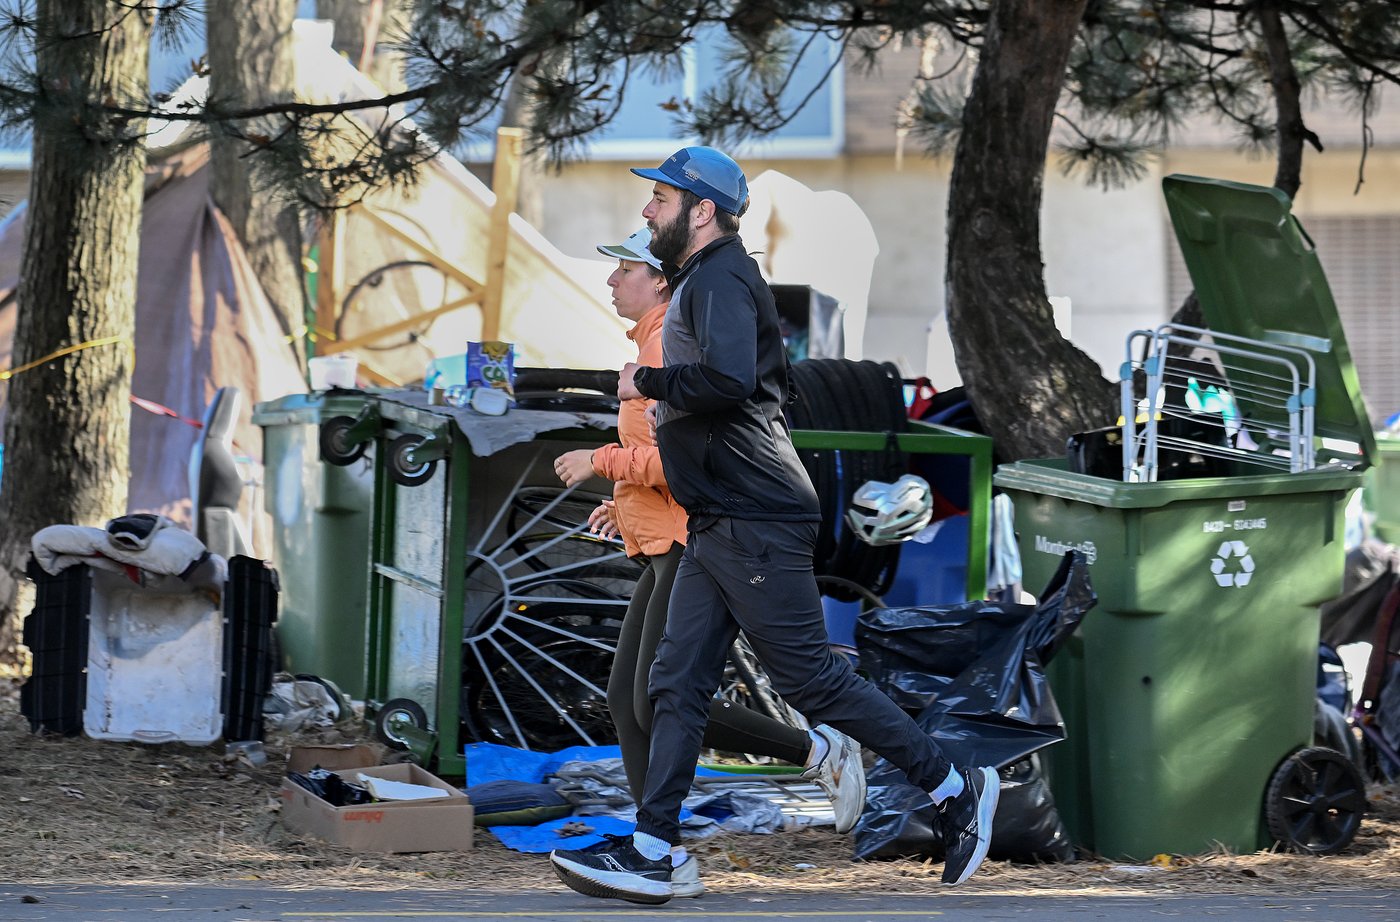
{"x": 669, "y": 242}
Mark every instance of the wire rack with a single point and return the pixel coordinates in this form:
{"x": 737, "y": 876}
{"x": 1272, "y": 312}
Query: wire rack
{"x": 1211, "y": 395}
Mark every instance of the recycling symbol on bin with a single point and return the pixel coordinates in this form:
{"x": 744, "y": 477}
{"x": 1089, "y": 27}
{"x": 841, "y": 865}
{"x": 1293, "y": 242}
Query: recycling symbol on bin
{"x": 1232, "y": 564}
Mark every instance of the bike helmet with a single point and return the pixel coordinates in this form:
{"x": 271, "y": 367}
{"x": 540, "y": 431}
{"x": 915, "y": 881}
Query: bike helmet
{"x": 900, "y": 510}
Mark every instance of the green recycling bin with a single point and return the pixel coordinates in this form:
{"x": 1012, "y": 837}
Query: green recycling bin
{"x": 1195, "y": 676}
{"x": 1383, "y": 488}
{"x": 320, "y": 531}
{"x": 1188, "y": 693}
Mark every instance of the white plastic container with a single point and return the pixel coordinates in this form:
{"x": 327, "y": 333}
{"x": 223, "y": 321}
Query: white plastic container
{"x": 155, "y": 662}
{"x": 328, "y": 371}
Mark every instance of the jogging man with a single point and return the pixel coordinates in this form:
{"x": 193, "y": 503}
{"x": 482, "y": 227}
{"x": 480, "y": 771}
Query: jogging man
{"x": 754, "y": 517}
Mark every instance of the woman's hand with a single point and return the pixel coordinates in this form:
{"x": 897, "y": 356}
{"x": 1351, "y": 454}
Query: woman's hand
{"x": 626, "y": 389}
{"x": 574, "y": 467}
{"x": 603, "y": 520}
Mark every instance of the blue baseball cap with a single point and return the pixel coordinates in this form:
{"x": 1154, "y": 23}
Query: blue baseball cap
{"x": 706, "y": 172}
{"x": 636, "y": 248}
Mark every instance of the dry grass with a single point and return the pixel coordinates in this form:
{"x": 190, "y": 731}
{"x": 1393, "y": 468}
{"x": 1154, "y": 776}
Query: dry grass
{"x": 84, "y": 811}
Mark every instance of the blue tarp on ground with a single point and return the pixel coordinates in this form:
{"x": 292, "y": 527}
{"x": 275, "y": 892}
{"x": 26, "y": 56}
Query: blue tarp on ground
{"x": 494, "y": 762}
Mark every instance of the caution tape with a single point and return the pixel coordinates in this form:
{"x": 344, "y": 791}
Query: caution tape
{"x": 150, "y": 406}
{"x": 9, "y": 373}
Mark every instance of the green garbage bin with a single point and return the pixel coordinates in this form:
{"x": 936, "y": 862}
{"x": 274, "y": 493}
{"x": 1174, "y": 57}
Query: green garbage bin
{"x": 1383, "y": 488}
{"x": 1189, "y": 690}
{"x": 320, "y": 531}
{"x": 493, "y": 613}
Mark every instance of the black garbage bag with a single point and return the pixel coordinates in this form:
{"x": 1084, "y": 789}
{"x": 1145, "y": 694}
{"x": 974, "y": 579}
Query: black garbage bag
{"x": 1372, "y": 571}
{"x": 1027, "y": 826}
{"x": 975, "y": 674}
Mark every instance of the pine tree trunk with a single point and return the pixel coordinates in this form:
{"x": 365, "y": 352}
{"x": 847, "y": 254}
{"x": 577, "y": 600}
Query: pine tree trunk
{"x": 67, "y": 432}
{"x": 251, "y": 63}
{"x": 998, "y": 314}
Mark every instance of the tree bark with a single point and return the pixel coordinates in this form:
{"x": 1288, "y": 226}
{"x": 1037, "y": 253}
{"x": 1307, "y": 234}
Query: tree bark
{"x": 1283, "y": 77}
{"x": 251, "y": 63}
{"x": 67, "y": 432}
{"x": 998, "y": 314}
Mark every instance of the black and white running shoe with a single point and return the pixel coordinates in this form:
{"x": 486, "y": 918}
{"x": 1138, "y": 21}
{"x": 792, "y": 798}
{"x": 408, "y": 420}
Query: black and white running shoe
{"x": 967, "y": 823}
{"x": 614, "y": 869}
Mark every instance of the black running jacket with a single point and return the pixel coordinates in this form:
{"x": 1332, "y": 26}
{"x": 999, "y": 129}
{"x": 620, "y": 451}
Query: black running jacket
{"x": 724, "y": 443}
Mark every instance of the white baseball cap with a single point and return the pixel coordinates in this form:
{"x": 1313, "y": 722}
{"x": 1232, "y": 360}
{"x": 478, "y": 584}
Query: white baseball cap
{"x": 636, "y": 248}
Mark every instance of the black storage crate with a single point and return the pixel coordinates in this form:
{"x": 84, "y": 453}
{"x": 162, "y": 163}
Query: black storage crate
{"x": 250, "y": 611}
{"x": 56, "y": 633}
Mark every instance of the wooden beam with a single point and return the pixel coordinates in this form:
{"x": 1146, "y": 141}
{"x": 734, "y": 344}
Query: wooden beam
{"x": 376, "y": 377}
{"x": 330, "y": 279}
{"x": 423, "y": 251}
{"x": 408, "y": 323}
{"x": 505, "y": 182}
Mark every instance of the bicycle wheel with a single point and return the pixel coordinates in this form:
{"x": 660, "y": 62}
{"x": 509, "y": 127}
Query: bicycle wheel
{"x": 544, "y": 606}
{"x": 542, "y": 682}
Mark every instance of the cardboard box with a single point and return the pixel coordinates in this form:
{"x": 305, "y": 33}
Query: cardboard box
{"x": 441, "y": 825}
{"x": 334, "y": 757}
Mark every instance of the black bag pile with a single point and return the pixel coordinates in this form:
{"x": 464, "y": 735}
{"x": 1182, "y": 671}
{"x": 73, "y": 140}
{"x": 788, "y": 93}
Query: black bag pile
{"x": 974, "y": 675}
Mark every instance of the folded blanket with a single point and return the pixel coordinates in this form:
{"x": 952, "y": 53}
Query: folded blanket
{"x": 132, "y": 545}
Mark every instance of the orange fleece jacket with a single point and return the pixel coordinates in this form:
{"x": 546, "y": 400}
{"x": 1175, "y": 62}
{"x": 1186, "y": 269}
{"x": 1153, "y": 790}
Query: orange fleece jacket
{"x": 648, "y": 517}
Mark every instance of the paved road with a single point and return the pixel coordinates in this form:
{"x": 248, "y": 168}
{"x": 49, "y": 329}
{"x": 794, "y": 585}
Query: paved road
{"x": 42, "y": 903}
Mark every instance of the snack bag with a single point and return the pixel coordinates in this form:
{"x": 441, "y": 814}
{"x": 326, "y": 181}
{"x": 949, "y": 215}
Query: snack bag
{"x": 491, "y": 364}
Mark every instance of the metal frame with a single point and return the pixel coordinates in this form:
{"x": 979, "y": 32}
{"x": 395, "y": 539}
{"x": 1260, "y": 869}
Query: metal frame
{"x": 1287, "y": 398}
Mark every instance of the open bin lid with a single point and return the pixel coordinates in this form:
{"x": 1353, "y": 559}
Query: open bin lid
{"x": 1257, "y": 274}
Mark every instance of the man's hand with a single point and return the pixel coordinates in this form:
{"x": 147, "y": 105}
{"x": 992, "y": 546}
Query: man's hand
{"x": 603, "y": 520}
{"x": 626, "y": 390}
{"x": 574, "y": 467}
{"x": 651, "y": 422}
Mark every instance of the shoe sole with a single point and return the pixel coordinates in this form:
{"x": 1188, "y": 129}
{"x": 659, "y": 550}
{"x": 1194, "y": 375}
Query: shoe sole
{"x": 986, "y": 809}
{"x": 687, "y": 891}
{"x": 606, "y": 884}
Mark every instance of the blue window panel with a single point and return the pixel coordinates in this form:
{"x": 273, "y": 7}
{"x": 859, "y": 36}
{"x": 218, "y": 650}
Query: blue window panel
{"x": 642, "y": 129}
{"x": 815, "y": 119}
{"x": 641, "y": 116}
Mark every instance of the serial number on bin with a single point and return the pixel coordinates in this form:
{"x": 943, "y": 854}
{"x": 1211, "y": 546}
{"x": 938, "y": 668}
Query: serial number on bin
{"x": 1221, "y": 525}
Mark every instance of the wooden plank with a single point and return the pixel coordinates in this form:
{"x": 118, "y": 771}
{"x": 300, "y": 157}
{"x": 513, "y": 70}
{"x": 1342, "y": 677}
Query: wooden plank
{"x": 330, "y": 279}
{"x": 422, "y": 250}
{"x": 505, "y": 183}
{"x": 376, "y": 377}
{"x": 408, "y": 323}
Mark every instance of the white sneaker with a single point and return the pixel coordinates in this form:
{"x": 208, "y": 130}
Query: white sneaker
{"x": 685, "y": 878}
{"x": 841, "y": 774}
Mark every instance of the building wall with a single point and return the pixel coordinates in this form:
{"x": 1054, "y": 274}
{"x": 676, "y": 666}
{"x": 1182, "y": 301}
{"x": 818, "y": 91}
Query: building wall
{"x": 1107, "y": 252}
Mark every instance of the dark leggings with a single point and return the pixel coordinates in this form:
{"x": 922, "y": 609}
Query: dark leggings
{"x": 732, "y": 727}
